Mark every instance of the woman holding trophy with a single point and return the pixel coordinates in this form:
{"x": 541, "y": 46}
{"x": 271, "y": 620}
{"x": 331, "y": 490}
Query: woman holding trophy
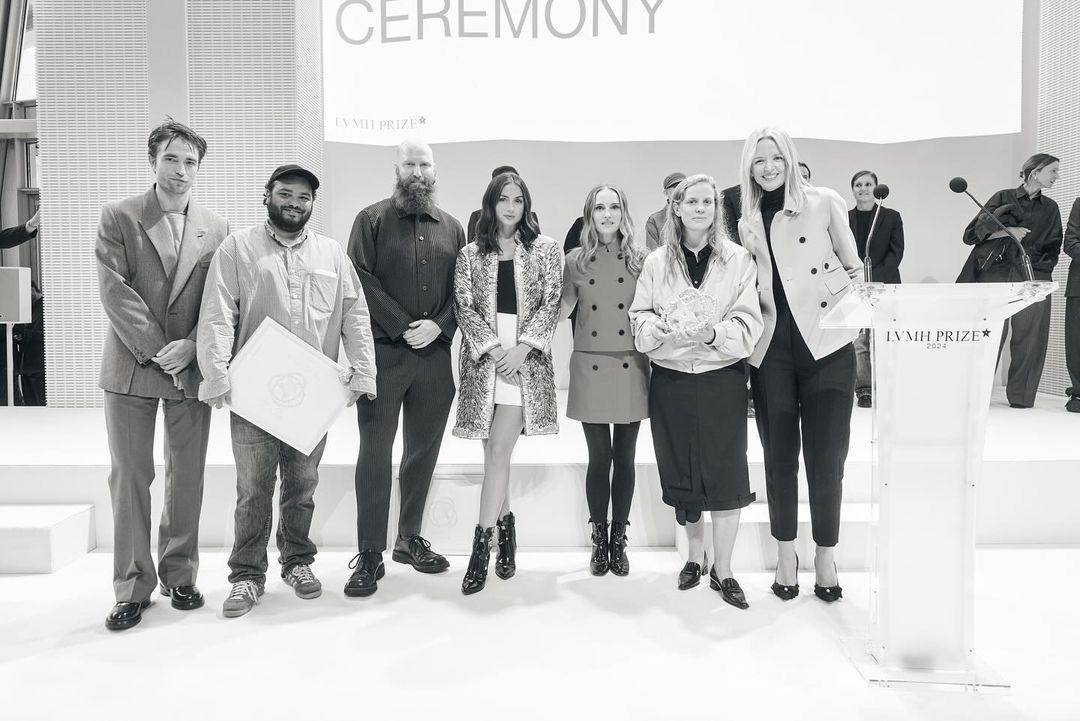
{"x": 609, "y": 379}
{"x": 696, "y": 315}
{"x": 507, "y": 286}
{"x": 802, "y": 375}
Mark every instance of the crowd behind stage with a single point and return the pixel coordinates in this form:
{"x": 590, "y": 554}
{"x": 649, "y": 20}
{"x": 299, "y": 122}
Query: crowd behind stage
{"x": 726, "y": 291}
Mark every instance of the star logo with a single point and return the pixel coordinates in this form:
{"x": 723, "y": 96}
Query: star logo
{"x": 986, "y": 334}
{"x": 422, "y": 120}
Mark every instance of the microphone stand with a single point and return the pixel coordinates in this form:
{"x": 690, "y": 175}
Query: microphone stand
{"x": 867, "y": 264}
{"x": 1025, "y": 260}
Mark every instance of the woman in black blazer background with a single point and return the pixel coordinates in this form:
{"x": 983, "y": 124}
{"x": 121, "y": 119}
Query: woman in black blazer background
{"x": 886, "y": 250}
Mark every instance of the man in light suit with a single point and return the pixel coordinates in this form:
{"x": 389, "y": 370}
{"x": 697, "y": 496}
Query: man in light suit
{"x": 153, "y": 251}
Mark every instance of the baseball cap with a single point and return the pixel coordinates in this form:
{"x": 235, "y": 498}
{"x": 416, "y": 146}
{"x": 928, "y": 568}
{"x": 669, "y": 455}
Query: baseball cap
{"x": 283, "y": 171}
{"x": 674, "y": 179}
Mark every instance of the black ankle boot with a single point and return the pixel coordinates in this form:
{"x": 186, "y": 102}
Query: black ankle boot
{"x": 505, "y": 563}
{"x": 476, "y": 575}
{"x": 620, "y": 564}
{"x": 598, "y": 564}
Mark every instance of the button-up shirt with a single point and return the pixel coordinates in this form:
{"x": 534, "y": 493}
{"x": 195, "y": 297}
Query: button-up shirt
{"x": 1038, "y": 213}
{"x": 406, "y": 265}
{"x": 306, "y": 284}
{"x": 697, "y": 264}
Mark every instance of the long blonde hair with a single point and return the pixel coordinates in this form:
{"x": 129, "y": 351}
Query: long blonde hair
{"x": 794, "y": 185}
{"x": 673, "y": 232}
{"x": 590, "y": 237}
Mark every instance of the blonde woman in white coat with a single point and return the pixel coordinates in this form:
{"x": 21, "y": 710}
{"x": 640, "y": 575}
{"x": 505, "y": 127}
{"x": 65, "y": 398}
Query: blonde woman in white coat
{"x": 802, "y": 376}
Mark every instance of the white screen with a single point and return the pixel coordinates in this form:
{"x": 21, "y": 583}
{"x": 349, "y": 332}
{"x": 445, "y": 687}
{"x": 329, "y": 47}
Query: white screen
{"x": 626, "y": 70}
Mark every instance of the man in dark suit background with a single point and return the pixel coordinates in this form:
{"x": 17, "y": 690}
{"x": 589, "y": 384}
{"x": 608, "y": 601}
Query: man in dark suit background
{"x": 153, "y": 251}
{"x": 655, "y": 223}
{"x": 1072, "y": 308}
{"x": 29, "y": 351}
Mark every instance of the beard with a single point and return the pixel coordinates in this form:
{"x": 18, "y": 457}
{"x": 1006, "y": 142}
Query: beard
{"x": 277, "y": 217}
{"x": 414, "y": 195}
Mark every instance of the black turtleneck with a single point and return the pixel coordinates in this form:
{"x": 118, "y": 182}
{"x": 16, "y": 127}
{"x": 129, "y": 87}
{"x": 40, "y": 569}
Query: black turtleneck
{"x": 772, "y": 202}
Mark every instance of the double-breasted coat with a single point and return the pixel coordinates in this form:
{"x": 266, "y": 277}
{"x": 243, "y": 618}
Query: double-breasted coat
{"x": 538, "y": 276}
{"x": 816, "y": 255}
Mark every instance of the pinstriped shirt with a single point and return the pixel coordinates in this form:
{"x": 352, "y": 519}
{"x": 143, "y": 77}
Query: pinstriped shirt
{"x": 306, "y": 284}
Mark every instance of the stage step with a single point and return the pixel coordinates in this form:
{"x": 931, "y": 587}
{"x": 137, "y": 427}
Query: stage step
{"x": 755, "y": 548}
{"x": 44, "y": 538}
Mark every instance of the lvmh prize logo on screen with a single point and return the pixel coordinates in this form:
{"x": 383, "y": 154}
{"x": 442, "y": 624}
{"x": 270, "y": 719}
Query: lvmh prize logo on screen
{"x": 399, "y": 21}
{"x": 937, "y": 339}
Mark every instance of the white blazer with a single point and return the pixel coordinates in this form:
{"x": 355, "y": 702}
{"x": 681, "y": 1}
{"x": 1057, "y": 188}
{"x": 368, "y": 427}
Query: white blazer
{"x": 815, "y": 252}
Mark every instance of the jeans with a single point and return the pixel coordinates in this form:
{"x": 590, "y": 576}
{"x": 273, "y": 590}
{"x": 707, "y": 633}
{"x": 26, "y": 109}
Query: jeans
{"x": 258, "y": 456}
{"x": 862, "y": 362}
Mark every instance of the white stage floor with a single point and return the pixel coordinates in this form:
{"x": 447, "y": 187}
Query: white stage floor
{"x": 552, "y": 642}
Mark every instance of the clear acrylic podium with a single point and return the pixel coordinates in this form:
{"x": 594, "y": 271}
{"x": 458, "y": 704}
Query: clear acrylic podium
{"x": 933, "y": 353}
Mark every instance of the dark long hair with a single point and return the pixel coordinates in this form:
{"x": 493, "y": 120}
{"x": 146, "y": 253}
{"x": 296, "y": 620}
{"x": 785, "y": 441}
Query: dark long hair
{"x": 487, "y": 228}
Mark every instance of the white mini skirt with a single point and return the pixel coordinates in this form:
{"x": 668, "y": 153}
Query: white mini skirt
{"x": 506, "y": 393}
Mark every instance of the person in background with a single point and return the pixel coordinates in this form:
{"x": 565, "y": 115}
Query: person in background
{"x": 1035, "y": 220}
{"x": 609, "y": 378}
{"x": 27, "y": 338}
{"x": 697, "y": 394}
{"x": 279, "y": 269}
{"x": 1072, "y": 309}
{"x": 474, "y": 218}
{"x": 404, "y": 249}
{"x": 152, "y": 255}
{"x": 802, "y": 376}
{"x": 507, "y": 288}
{"x": 656, "y": 221}
{"x": 886, "y": 250}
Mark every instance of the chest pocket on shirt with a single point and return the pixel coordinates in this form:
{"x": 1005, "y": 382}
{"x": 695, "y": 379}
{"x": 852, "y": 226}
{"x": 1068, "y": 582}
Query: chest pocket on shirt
{"x": 322, "y": 290}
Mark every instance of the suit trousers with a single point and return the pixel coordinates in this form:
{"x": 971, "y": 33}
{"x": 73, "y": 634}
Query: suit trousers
{"x": 258, "y": 457}
{"x": 1027, "y": 343}
{"x": 1072, "y": 343}
{"x": 130, "y": 422}
{"x": 421, "y": 383}
{"x": 791, "y": 389}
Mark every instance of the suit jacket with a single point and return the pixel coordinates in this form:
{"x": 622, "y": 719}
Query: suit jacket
{"x": 816, "y": 255}
{"x": 886, "y": 247}
{"x": 148, "y": 306}
{"x": 731, "y": 203}
{"x": 17, "y": 235}
{"x": 538, "y": 278}
{"x": 653, "y": 227}
{"x": 1072, "y": 249}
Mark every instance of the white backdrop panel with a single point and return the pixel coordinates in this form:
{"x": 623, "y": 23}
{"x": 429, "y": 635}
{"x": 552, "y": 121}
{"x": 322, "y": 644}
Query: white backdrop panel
{"x": 625, "y": 70}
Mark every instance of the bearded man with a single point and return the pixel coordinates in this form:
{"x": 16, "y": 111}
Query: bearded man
{"x": 404, "y": 249}
{"x": 279, "y": 269}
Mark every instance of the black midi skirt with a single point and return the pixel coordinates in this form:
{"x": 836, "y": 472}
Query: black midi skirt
{"x": 698, "y": 424}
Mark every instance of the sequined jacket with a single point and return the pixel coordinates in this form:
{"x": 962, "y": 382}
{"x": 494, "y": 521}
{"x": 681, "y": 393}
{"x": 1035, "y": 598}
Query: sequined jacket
{"x": 538, "y": 279}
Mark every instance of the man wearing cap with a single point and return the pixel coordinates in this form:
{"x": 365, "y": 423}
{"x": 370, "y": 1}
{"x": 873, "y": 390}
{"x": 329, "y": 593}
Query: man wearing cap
{"x": 152, "y": 251}
{"x": 404, "y": 249}
{"x": 281, "y": 270}
{"x": 656, "y": 221}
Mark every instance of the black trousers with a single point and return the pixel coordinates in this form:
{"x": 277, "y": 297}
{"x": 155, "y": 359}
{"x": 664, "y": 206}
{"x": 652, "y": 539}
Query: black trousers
{"x": 610, "y": 477}
{"x": 794, "y": 392}
{"x": 1027, "y": 344}
{"x": 422, "y": 383}
{"x": 1072, "y": 343}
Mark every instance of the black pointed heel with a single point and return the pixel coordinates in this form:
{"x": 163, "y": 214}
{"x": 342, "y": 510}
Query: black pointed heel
{"x": 786, "y": 593}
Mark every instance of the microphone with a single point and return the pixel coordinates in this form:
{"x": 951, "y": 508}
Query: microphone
{"x": 881, "y": 192}
{"x": 959, "y": 185}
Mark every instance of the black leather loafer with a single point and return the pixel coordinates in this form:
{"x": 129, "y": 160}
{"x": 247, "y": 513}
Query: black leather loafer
{"x": 689, "y": 576}
{"x": 416, "y": 552}
{"x": 369, "y": 569}
{"x": 184, "y": 598}
{"x": 125, "y": 615}
{"x": 729, "y": 589}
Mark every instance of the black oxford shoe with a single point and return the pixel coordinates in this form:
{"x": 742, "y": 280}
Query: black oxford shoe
{"x": 729, "y": 589}
{"x": 184, "y": 598}
{"x": 125, "y": 615}
{"x": 369, "y": 569}
{"x": 416, "y": 552}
